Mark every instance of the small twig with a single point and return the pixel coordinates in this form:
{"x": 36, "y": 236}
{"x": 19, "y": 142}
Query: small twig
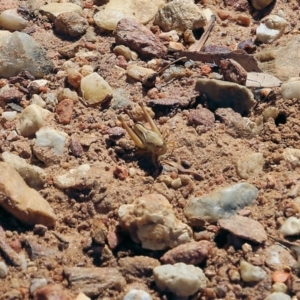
{"x": 198, "y": 46}
{"x": 169, "y": 64}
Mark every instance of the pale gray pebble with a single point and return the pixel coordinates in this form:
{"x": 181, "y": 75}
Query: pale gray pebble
{"x": 120, "y": 99}
{"x": 19, "y": 51}
{"x": 137, "y": 295}
{"x": 221, "y": 203}
{"x": 37, "y": 283}
{"x": 3, "y": 269}
{"x": 278, "y": 296}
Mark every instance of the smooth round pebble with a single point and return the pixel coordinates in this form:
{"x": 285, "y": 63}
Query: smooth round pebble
{"x": 291, "y": 226}
{"x": 279, "y": 287}
{"x": 278, "y": 296}
{"x": 251, "y": 273}
{"x": 291, "y": 88}
{"x": 181, "y": 279}
{"x": 3, "y": 269}
{"x": 271, "y": 28}
{"x": 137, "y": 295}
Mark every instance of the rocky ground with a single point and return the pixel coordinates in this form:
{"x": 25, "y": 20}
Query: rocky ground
{"x": 85, "y": 214}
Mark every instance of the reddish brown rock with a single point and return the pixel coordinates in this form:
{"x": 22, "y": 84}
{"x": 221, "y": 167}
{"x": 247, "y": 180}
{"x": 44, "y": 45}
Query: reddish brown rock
{"x": 51, "y": 292}
{"x": 137, "y": 37}
{"x": 121, "y": 172}
{"x": 64, "y": 110}
{"x": 244, "y": 228}
{"x": 201, "y": 116}
{"x": 95, "y": 281}
{"x": 75, "y": 147}
{"x": 137, "y": 266}
{"x": 191, "y": 253}
{"x": 233, "y": 71}
{"x": 11, "y": 94}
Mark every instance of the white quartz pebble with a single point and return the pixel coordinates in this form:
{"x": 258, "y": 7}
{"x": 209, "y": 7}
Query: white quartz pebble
{"x": 11, "y": 20}
{"x": 291, "y": 88}
{"x": 291, "y": 226}
{"x": 251, "y": 273}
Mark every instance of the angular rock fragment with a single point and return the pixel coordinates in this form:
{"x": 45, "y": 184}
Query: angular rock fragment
{"x": 181, "y": 279}
{"x": 94, "y": 88}
{"x": 49, "y": 145}
{"x": 233, "y": 72}
{"x": 151, "y": 221}
{"x": 221, "y": 203}
{"x": 64, "y": 110}
{"x": 52, "y": 10}
{"x": 244, "y": 228}
{"x": 32, "y": 118}
{"x": 71, "y": 24}
{"x": 250, "y": 165}
{"x": 291, "y": 88}
{"x": 23, "y": 202}
{"x": 192, "y": 253}
{"x": 180, "y": 15}
{"x": 19, "y": 51}
{"x": 141, "y": 10}
{"x": 137, "y": 37}
{"x": 291, "y": 226}
{"x": 95, "y": 281}
{"x": 10, "y": 254}
{"x": 201, "y": 116}
{"x": 271, "y": 28}
{"x": 11, "y": 20}
{"x": 76, "y": 178}
{"x": 225, "y": 94}
{"x": 33, "y": 175}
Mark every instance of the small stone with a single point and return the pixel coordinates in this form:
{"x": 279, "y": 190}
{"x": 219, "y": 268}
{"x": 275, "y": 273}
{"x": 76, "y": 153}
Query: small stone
{"x": 94, "y": 88}
{"x": 25, "y": 203}
{"x": 137, "y": 37}
{"x": 75, "y": 147}
{"x": 10, "y": 254}
{"x": 32, "y": 118}
{"x": 137, "y": 295}
{"x": 37, "y": 100}
{"x": 66, "y": 93}
{"x": 244, "y": 228}
{"x": 180, "y": 15}
{"x": 71, "y": 24}
{"x": 279, "y": 287}
{"x": 11, "y": 20}
{"x": 271, "y": 28}
{"x": 9, "y": 116}
{"x": 99, "y": 231}
{"x": 137, "y": 267}
{"x": 53, "y": 10}
{"x": 278, "y": 257}
{"x": 251, "y": 273}
{"x": 192, "y": 253}
{"x": 126, "y": 52}
{"x": 260, "y": 4}
{"x": 233, "y": 72}
{"x": 291, "y": 88}
{"x": 120, "y": 99}
{"x": 201, "y": 116}
{"x": 150, "y": 220}
{"x": 37, "y": 283}
{"x": 181, "y": 279}
{"x": 40, "y": 229}
{"x": 291, "y": 226}
{"x": 292, "y": 156}
{"x": 64, "y": 110}
{"x": 145, "y": 75}
{"x": 250, "y": 165}
{"x": 142, "y": 10}
{"x": 225, "y": 94}
{"x": 19, "y": 51}
{"x": 278, "y": 296}
{"x": 121, "y": 172}
{"x": 34, "y": 176}
{"x": 221, "y": 203}
{"x": 176, "y": 183}
{"x": 8, "y": 94}
{"x": 3, "y": 270}
{"x": 280, "y": 276}
{"x": 49, "y": 145}
{"x": 76, "y": 178}
{"x": 51, "y": 291}
{"x": 95, "y": 281}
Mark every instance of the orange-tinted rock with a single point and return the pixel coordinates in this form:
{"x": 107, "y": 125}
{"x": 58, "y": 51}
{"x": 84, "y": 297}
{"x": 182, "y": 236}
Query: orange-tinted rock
{"x": 64, "y": 110}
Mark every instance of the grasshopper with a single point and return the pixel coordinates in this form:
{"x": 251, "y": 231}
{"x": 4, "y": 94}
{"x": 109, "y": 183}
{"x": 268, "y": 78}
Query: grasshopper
{"x": 150, "y": 140}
